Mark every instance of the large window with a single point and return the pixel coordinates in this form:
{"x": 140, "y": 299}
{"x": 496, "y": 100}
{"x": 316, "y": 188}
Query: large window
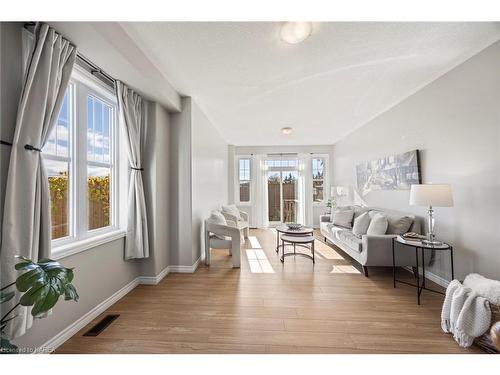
{"x": 318, "y": 179}
{"x": 244, "y": 173}
{"x": 80, "y": 158}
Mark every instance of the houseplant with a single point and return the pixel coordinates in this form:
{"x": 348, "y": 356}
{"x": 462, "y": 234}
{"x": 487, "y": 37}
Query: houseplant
{"x": 40, "y": 285}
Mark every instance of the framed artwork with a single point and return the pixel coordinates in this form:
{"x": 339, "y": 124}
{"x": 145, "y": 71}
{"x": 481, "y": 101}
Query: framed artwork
{"x": 394, "y": 172}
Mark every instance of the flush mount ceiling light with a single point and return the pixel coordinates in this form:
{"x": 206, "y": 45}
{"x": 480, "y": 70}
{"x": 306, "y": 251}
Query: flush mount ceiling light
{"x": 287, "y": 130}
{"x": 295, "y": 32}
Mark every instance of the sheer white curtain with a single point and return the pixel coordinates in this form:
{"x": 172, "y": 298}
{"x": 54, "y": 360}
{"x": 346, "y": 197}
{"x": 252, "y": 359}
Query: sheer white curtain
{"x": 26, "y": 223}
{"x": 305, "y": 193}
{"x": 131, "y": 111}
{"x": 259, "y": 193}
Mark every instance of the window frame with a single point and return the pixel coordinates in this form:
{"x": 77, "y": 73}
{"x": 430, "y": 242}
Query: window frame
{"x": 70, "y": 159}
{"x": 325, "y": 179}
{"x": 83, "y": 238}
{"x": 237, "y": 180}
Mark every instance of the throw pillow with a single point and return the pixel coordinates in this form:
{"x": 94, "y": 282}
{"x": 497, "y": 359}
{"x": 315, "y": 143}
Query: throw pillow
{"x": 343, "y": 218}
{"x": 339, "y": 208}
{"x": 232, "y": 210}
{"x": 217, "y": 218}
{"x": 378, "y": 225}
{"x": 361, "y": 224}
{"x": 398, "y": 224}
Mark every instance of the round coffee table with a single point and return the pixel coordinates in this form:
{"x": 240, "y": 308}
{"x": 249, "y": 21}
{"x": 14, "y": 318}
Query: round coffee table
{"x": 283, "y": 229}
{"x": 302, "y": 241}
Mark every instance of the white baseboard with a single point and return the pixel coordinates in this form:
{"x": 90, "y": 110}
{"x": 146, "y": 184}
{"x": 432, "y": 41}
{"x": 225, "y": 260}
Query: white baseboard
{"x": 154, "y": 280}
{"x": 437, "y": 279}
{"x": 73, "y": 328}
{"x": 185, "y": 269}
{"x": 432, "y": 277}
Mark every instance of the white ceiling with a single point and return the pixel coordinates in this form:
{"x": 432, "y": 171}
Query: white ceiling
{"x": 251, "y": 84}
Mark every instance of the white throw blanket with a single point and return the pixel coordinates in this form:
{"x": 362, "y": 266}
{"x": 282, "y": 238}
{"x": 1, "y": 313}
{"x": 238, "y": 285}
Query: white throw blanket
{"x": 465, "y": 314}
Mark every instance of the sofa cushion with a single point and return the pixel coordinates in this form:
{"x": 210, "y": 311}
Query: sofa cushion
{"x": 378, "y": 224}
{"x": 398, "y": 224}
{"x": 217, "y": 218}
{"x": 361, "y": 224}
{"x": 359, "y": 210}
{"x": 232, "y": 210}
{"x": 333, "y": 230}
{"x": 350, "y": 239}
{"x": 343, "y": 217}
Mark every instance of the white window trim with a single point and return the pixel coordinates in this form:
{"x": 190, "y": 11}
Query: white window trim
{"x": 67, "y": 246}
{"x": 88, "y": 243}
{"x": 326, "y": 193}
{"x": 237, "y": 180}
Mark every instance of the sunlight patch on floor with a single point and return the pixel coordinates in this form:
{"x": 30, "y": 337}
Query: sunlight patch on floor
{"x": 254, "y": 242}
{"x": 326, "y": 251}
{"x": 344, "y": 269}
{"x": 257, "y": 258}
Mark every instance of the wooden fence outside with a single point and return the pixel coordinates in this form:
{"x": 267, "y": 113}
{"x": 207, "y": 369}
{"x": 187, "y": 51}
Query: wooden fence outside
{"x": 98, "y": 204}
{"x": 289, "y": 198}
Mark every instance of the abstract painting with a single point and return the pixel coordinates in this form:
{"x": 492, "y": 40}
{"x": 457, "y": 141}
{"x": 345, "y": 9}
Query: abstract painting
{"x": 394, "y": 172}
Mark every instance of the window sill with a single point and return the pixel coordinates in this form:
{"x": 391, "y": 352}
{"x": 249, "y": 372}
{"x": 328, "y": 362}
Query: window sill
{"x": 76, "y": 247}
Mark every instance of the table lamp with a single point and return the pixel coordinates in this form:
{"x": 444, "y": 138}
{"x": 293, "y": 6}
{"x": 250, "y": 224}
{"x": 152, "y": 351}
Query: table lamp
{"x": 431, "y": 195}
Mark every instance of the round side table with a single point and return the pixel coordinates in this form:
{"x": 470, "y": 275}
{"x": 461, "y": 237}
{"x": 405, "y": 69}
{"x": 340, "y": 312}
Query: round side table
{"x": 418, "y": 245}
{"x": 302, "y": 241}
{"x": 283, "y": 229}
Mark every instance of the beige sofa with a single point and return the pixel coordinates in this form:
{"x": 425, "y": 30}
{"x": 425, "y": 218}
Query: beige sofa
{"x": 370, "y": 250}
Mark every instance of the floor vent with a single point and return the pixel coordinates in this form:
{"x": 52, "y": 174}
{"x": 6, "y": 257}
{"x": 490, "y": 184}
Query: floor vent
{"x": 101, "y": 326}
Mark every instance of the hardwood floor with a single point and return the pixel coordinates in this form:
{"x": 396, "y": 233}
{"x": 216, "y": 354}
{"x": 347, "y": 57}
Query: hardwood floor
{"x": 270, "y": 307}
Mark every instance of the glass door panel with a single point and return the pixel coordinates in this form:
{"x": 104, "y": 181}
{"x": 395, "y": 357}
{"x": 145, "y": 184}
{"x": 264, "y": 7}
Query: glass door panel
{"x": 274, "y": 196}
{"x": 290, "y": 179}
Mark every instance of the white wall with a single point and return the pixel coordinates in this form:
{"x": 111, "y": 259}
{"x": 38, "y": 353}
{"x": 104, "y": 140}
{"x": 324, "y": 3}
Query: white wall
{"x": 199, "y": 181}
{"x": 235, "y": 151}
{"x": 180, "y": 187}
{"x": 209, "y": 174}
{"x": 156, "y": 181}
{"x": 455, "y": 122}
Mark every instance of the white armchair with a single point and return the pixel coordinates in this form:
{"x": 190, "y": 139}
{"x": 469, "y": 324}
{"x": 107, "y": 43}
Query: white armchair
{"x": 241, "y": 224}
{"x": 219, "y": 236}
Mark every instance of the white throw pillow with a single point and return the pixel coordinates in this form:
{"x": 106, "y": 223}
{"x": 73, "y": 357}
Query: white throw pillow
{"x": 378, "y": 225}
{"x": 217, "y": 218}
{"x": 361, "y": 224}
{"x": 343, "y": 218}
{"x": 232, "y": 210}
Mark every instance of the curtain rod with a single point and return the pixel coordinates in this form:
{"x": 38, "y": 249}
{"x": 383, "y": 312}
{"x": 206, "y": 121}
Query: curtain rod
{"x": 94, "y": 69}
{"x": 283, "y": 154}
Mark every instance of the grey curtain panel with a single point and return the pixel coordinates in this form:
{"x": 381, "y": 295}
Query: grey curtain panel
{"x": 131, "y": 108}
{"x": 26, "y": 224}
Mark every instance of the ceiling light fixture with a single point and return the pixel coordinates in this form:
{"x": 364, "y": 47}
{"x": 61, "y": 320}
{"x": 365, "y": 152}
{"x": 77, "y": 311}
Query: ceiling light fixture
{"x": 295, "y": 32}
{"x": 287, "y": 130}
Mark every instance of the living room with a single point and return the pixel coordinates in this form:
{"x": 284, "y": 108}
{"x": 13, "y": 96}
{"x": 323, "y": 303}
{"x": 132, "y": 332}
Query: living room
{"x": 250, "y": 187}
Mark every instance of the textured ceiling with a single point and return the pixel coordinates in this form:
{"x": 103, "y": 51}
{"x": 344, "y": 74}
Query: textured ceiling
{"x": 251, "y": 84}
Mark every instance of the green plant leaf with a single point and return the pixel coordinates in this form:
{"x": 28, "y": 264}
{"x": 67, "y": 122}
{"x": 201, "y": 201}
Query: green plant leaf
{"x": 31, "y": 278}
{"x": 70, "y": 293}
{"x": 43, "y": 283}
{"x": 4, "y": 297}
{"x": 44, "y": 304}
{"x": 6, "y": 347}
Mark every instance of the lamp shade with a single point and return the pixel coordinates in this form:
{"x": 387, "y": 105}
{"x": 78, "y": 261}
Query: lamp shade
{"x": 437, "y": 195}
{"x": 338, "y": 191}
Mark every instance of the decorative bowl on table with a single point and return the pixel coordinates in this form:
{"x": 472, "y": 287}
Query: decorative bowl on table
{"x": 294, "y": 226}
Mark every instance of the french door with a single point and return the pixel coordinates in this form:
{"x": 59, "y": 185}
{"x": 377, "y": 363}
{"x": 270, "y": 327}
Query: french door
{"x": 282, "y": 190}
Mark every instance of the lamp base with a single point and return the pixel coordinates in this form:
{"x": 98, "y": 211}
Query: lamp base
{"x": 432, "y": 242}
